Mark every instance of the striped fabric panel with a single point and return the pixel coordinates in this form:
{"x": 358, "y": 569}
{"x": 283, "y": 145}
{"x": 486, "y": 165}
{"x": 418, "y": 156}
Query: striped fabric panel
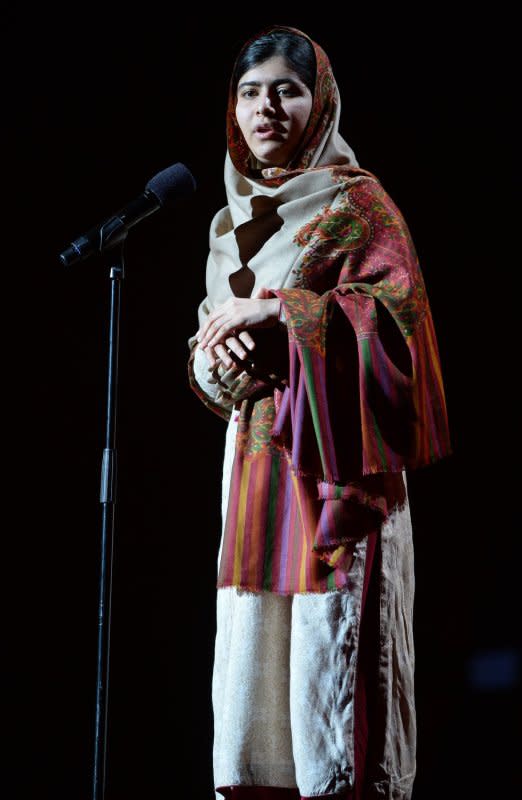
{"x": 407, "y": 428}
{"x": 315, "y": 378}
{"x": 434, "y": 441}
{"x": 285, "y": 531}
{"x": 270, "y": 530}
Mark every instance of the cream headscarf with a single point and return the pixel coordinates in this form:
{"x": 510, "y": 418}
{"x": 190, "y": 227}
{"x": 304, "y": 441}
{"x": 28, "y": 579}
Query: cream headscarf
{"x": 253, "y": 236}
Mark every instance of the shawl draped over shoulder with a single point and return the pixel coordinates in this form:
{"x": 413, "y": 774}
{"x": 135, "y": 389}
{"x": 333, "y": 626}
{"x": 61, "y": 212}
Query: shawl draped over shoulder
{"x": 320, "y": 449}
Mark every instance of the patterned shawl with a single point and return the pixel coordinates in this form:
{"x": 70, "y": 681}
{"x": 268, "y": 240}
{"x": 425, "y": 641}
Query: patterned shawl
{"x": 319, "y": 457}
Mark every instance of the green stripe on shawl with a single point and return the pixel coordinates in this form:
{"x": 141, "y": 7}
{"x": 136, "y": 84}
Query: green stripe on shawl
{"x": 312, "y": 398}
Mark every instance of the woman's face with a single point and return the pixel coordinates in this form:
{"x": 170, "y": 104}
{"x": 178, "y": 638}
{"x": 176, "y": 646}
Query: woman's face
{"x": 272, "y": 111}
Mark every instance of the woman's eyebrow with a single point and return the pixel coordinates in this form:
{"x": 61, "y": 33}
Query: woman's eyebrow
{"x": 272, "y": 83}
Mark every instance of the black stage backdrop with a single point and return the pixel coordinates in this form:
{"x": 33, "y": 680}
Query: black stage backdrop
{"x": 96, "y": 105}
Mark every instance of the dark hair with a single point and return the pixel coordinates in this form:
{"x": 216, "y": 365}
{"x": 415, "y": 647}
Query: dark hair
{"x": 296, "y": 50}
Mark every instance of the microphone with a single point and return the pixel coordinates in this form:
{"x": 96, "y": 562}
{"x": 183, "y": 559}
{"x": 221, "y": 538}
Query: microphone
{"x": 164, "y": 189}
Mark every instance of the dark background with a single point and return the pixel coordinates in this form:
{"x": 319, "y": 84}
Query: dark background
{"x": 96, "y": 104}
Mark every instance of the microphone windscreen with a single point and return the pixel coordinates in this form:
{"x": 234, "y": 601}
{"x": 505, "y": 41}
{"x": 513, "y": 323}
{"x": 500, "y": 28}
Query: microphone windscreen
{"x": 172, "y": 183}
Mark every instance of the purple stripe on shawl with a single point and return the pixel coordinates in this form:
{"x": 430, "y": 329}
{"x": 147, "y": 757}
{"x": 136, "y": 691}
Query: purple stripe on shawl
{"x": 283, "y": 521}
{"x": 298, "y": 410}
{"x": 383, "y": 373}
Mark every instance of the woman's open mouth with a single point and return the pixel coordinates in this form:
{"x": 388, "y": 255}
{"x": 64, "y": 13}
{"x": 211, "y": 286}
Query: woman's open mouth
{"x": 267, "y": 132}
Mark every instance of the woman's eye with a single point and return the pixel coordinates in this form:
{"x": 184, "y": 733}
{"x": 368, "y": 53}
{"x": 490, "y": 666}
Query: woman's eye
{"x": 286, "y": 91}
{"x": 248, "y": 93}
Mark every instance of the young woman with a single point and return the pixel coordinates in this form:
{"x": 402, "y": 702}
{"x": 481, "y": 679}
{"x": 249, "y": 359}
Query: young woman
{"x": 316, "y": 343}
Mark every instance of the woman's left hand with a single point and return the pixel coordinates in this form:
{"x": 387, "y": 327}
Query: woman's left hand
{"x": 238, "y": 314}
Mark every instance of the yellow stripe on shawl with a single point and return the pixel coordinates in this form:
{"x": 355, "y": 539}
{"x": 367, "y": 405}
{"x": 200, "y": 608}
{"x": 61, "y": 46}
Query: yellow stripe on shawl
{"x": 305, "y": 524}
{"x": 240, "y": 527}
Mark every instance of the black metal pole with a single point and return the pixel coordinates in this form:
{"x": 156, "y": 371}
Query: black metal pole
{"x": 107, "y": 499}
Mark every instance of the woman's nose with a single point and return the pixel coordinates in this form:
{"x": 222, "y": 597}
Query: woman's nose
{"x": 265, "y": 105}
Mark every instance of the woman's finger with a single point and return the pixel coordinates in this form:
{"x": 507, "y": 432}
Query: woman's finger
{"x": 247, "y": 340}
{"x": 224, "y": 354}
{"x": 236, "y": 347}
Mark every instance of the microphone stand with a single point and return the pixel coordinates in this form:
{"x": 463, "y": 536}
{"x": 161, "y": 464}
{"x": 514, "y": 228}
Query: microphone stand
{"x": 107, "y": 499}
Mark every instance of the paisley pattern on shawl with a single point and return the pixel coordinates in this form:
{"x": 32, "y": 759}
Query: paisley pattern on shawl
{"x": 403, "y": 420}
{"x": 319, "y": 454}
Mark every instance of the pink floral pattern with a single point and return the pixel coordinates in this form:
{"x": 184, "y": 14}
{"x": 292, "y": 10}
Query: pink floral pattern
{"x": 366, "y": 234}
